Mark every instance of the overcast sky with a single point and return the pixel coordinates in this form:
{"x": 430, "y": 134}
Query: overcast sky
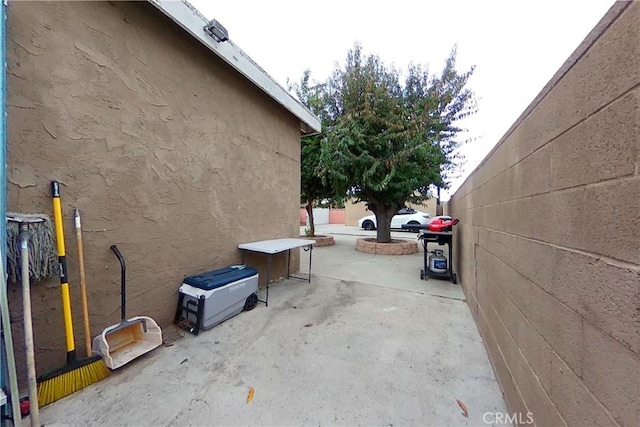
{"x": 516, "y": 46}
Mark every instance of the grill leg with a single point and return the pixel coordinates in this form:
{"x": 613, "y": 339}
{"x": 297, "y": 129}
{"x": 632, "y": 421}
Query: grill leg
{"x": 451, "y": 260}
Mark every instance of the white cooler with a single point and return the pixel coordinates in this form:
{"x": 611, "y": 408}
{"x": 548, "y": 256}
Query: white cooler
{"x": 208, "y": 299}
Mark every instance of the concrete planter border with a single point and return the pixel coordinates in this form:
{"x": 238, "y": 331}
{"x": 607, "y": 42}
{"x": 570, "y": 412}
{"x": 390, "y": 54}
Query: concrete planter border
{"x": 396, "y": 247}
{"x": 321, "y": 240}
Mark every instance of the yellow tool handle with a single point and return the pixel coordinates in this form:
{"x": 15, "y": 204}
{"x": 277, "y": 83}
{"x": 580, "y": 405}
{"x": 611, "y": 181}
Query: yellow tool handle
{"x": 57, "y": 218}
{"x": 62, "y": 269}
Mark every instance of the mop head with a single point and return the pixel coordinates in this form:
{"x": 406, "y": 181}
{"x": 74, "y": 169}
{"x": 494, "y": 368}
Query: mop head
{"x": 43, "y": 260}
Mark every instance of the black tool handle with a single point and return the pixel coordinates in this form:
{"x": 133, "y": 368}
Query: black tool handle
{"x": 55, "y": 189}
{"x": 123, "y": 283}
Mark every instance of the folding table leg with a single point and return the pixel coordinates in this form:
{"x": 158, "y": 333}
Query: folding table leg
{"x": 266, "y": 300}
{"x": 310, "y": 253}
{"x": 268, "y": 279}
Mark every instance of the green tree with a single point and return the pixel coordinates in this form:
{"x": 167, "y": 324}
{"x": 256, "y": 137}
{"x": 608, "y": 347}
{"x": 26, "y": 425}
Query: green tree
{"x": 389, "y": 140}
{"x": 313, "y": 185}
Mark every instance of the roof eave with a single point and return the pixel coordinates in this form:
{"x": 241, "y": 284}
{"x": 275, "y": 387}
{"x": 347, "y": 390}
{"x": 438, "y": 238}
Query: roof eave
{"x": 193, "y": 22}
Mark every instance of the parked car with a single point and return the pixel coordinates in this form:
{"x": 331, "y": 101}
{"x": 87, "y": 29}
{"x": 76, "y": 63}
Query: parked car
{"x": 404, "y": 216}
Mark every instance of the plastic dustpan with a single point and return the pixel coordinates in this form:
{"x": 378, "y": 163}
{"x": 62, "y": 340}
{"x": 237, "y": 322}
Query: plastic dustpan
{"x": 131, "y": 338}
{"x": 119, "y": 344}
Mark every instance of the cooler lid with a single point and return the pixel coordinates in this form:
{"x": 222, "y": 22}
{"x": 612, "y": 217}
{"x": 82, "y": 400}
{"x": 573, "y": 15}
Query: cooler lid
{"x": 218, "y": 278}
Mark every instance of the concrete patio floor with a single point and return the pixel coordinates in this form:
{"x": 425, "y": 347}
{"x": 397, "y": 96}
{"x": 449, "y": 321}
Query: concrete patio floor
{"x": 366, "y": 343}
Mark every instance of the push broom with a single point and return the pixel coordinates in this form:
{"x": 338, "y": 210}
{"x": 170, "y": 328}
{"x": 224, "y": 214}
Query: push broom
{"x": 77, "y": 373}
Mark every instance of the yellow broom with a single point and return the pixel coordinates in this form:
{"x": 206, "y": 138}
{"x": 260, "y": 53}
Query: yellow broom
{"x": 77, "y": 373}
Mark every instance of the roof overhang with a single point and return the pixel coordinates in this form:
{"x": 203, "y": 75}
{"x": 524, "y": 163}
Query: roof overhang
{"x": 192, "y": 21}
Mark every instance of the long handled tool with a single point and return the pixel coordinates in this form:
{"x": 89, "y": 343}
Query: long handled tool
{"x": 77, "y": 373}
{"x": 83, "y": 284}
{"x": 30, "y": 247}
{"x": 120, "y": 344}
{"x": 34, "y": 411}
{"x": 8, "y": 348}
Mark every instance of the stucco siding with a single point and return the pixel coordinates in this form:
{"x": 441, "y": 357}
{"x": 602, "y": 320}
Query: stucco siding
{"x": 166, "y": 151}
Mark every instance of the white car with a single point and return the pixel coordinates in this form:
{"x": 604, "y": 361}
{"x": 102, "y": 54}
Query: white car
{"x": 404, "y": 216}
{"x": 442, "y": 217}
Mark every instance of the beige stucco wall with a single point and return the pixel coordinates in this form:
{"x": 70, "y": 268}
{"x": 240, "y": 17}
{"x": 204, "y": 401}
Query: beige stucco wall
{"x": 355, "y": 211}
{"x": 167, "y": 152}
{"x": 549, "y": 239}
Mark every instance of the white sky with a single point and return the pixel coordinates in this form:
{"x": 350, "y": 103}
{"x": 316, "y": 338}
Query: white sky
{"x": 515, "y": 45}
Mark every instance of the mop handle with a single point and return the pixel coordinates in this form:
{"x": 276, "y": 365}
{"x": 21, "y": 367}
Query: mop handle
{"x": 28, "y": 326}
{"x": 123, "y": 285}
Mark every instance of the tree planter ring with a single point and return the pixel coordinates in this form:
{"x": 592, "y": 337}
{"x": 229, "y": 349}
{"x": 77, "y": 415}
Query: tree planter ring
{"x": 396, "y": 247}
{"x": 321, "y": 240}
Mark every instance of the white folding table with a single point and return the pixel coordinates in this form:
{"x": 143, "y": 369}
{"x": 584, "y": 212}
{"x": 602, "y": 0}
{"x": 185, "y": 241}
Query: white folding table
{"x": 276, "y": 246}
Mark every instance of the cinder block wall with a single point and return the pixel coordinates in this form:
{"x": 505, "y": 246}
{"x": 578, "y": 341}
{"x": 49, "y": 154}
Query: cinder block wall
{"x": 549, "y": 239}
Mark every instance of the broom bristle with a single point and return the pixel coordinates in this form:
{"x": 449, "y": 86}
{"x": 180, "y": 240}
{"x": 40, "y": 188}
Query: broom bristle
{"x": 69, "y": 379}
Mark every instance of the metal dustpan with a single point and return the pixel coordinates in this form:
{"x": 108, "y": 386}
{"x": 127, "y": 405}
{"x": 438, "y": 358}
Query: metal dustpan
{"x": 120, "y": 344}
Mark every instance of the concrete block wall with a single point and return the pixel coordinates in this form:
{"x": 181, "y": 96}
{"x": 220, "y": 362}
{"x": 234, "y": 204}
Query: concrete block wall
{"x": 335, "y": 216}
{"x": 549, "y": 241}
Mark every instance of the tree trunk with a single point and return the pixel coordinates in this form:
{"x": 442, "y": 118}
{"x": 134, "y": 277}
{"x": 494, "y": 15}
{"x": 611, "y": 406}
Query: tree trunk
{"x": 312, "y": 227}
{"x": 383, "y": 218}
